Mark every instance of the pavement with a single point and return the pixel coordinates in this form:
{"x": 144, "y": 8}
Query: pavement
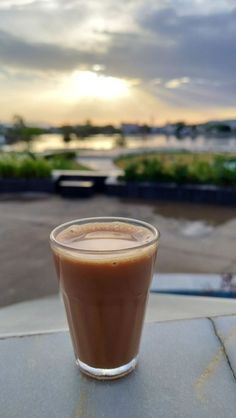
{"x": 99, "y": 163}
{"x": 48, "y": 314}
{"x": 185, "y": 369}
{"x": 27, "y": 271}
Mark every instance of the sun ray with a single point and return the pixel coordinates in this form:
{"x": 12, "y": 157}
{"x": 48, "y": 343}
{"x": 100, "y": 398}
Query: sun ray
{"x": 90, "y": 84}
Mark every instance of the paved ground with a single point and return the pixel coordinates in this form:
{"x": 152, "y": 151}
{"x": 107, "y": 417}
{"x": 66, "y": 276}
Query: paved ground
{"x": 48, "y": 314}
{"x": 186, "y": 246}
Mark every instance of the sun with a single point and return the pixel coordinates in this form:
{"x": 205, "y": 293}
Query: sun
{"x": 89, "y": 84}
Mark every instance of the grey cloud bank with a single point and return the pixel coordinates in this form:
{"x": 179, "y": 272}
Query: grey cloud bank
{"x": 167, "y": 40}
{"x": 18, "y": 52}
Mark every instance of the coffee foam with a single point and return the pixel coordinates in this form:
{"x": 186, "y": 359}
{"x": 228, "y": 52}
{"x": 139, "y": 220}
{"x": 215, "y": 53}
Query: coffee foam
{"x": 115, "y": 229}
{"x": 138, "y": 236}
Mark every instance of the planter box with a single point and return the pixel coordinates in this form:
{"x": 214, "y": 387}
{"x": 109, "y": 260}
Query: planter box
{"x": 76, "y": 189}
{"x": 37, "y": 185}
{"x": 98, "y": 178}
{"x": 171, "y": 191}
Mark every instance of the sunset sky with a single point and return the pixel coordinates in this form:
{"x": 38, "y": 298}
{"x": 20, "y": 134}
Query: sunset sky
{"x": 64, "y": 61}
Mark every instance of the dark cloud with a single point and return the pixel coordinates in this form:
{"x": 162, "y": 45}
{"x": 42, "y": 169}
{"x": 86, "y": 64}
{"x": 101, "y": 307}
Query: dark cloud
{"x": 163, "y": 42}
{"x": 167, "y": 45}
{"x": 196, "y": 45}
{"x": 196, "y": 94}
{"x": 175, "y": 46}
{"x": 18, "y": 52}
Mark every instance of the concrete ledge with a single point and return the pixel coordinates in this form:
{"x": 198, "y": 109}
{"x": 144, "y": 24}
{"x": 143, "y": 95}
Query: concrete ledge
{"x": 172, "y": 191}
{"x": 186, "y": 369}
{"x": 47, "y": 314}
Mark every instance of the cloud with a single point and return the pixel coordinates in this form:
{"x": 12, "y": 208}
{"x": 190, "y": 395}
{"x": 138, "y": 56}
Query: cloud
{"x": 17, "y": 52}
{"x": 181, "y": 51}
{"x": 155, "y": 42}
{"x": 177, "y": 82}
{"x": 173, "y": 47}
{"x": 196, "y": 45}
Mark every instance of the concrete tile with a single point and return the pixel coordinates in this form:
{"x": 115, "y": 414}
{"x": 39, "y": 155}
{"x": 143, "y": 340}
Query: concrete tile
{"x": 182, "y": 373}
{"x": 226, "y": 330}
{"x": 169, "y": 307}
{"x": 48, "y": 314}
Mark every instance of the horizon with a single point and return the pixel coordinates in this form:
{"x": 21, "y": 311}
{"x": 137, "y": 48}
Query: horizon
{"x": 148, "y": 62}
{"x": 118, "y": 124}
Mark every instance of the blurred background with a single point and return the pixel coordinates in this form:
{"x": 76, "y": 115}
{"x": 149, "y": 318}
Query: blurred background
{"x": 117, "y": 108}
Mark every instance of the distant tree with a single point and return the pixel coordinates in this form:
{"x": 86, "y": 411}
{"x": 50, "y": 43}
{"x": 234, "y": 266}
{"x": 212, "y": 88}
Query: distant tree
{"x": 180, "y": 124}
{"x": 223, "y": 128}
{"x": 107, "y": 129}
{"x": 179, "y": 127}
{"x": 86, "y": 130}
{"x": 21, "y": 132}
{"x": 67, "y": 131}
{"x": 193, "y": 131}
{"x": 218, "y": 128}
{"x": 88, "y": 123}
{"x": 121, "y": 141}
{"x": 145, "y": 129}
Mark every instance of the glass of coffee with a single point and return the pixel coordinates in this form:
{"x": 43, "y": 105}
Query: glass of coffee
{"x": 104, "y": 267}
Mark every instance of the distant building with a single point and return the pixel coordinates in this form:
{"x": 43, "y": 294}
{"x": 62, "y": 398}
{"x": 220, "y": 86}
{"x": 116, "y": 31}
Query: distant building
{"x": 157, "y": 130}
{"x": 130, "y": 129}
{"x": 169, "y": 129}
{"x": 2, "y": 140}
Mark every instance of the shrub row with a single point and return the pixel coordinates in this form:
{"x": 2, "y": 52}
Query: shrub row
{"x": 221, "y": 170}
{"x": 29, "y": 166}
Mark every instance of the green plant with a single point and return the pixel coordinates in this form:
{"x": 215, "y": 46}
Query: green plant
{"x": 8, "y": 167}
{"x": 152, "y": 169}
{"x": 67, "y": 155}
{"x": 29, "y": 168}
{"x": 13, "y": 166}
{"x": 131, "y": 172}
{"x": 180, "y": 173}
{"x": 201, "y": 172}
{"x": 58, "y": 162}
{"x": 225, "y": 171}
{"x": 24, "y": 165}
{"x": 181, "y": 168}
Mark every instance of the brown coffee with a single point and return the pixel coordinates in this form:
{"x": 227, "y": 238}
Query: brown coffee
{"x": 104, "y": 272}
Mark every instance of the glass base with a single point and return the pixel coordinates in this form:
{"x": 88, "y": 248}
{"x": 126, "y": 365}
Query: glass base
{"x": 107, "y": 374}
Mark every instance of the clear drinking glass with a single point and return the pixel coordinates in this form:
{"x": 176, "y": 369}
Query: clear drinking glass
{"x": 104, "y": 267}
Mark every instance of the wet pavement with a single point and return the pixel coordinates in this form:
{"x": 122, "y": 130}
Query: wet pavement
{"x": 200, "y": 240}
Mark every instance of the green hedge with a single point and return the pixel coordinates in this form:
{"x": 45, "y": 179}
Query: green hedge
{"x": 29, "y": 166}
{"x": 221, "y": 170}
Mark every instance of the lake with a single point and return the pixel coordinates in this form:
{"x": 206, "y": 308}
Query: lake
{"x": 111, "y": 144}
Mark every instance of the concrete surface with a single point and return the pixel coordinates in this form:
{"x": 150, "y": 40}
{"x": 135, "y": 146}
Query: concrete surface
{"x": 186, "y": 369}
{"x": 47, "y": 314}
{"x": 27, "y": 271}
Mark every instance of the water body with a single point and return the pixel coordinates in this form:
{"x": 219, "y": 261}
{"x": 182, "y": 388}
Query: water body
{"x": 194, "y": 220}
{"x": 109, "y": 145}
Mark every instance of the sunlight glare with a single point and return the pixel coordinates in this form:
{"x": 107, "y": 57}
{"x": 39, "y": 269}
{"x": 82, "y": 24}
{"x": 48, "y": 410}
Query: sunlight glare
{"x": 82, "y": 84}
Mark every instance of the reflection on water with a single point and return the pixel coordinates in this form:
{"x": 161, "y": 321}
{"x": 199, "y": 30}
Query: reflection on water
{"x": 195, "y": 212}
{"x": 188, "y": 219}
{"x": 195, "y": 220}
{"x": 107, "y": 143}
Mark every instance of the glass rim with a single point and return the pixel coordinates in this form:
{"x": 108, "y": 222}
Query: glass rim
{"x": 153, "y": 229}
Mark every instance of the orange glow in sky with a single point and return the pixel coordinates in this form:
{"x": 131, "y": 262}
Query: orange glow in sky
{"x": 109, "y": 61}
